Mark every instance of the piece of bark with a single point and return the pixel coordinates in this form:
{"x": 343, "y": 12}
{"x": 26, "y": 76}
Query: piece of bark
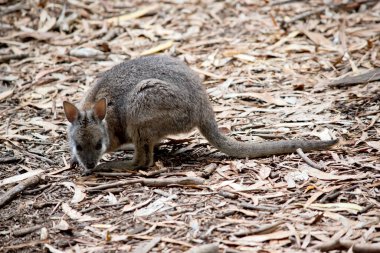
{"x": 333, "y": 195}
{"x": 12, "y": 159}
{"x": 9, "y": 195}
{"x": 261, "y": 230}
{"x": 25, "y": 231}
{"x": 7, "y": 58}
{"x": 207, "y": 248}
{"x": 16, "y": 7}
{"x": 369, "y": 76}
{"x": 208, "y": 170}
{"x": 229, "y": 195}
{"x": 341, "y": 244}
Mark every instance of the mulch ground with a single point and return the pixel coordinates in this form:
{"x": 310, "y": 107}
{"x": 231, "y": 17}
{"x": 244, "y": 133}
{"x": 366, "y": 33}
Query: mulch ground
{"x": 273, "y": 70}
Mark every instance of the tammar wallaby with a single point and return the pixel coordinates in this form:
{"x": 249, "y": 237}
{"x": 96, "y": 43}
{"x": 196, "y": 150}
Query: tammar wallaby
{"x": 143, "y": 100}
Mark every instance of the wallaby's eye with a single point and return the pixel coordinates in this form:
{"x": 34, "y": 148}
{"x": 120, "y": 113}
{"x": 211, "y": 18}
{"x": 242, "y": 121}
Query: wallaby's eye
{"x": 98, "y": 145}
{"x": 79, "y": 147}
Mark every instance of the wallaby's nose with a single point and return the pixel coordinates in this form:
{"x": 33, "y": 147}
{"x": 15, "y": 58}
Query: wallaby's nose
{"x": 91, "y": 165}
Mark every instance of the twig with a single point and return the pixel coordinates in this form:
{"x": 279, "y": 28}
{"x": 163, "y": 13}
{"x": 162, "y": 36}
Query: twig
{"x": 38, "y": 189}
{"x": 281, "y": 2}
{"x": 207, "y": 248}
{"x": 335, "y": 194}
{"x": 307, "y": 159}
{"x": 112, "y": 185}
{"x": 49, "y": 161}
{"x": 9, "y": 195}
{"x": 264, "y": 229}
{"x": 117, "y": 205}
{"x": 373, "y": 122}
{"x": 24, "y": 231}
{"x": 163, "y": 239}
{"x": 259, "y": 208}
{"x": 40, "y": 205}
{"x": 230, "y": 250}
{"x": 153, "y": 173}
{"x": 155, "y": 182}
{"x": 7, "y": 58}
{"x": 25, "y": 245}
{"x": 365, "y": 209}
{"x": 12, "y": 159}
{"x": 323, "y": 8}
{"x": 225, "y": 213}
{"x": 4, "y": 26}
{"x": 114, "y": 174}
{"x": 341, "y": 244}
{"x": 369, "y": 76}
{"x": 229, "y": 195}
{"x": 306, "y": 14}
{"x": 17, "y": 7}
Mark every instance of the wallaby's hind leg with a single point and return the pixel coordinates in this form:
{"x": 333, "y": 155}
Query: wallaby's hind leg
{"x": 143, "y": 156}
{"x": 143, "y": 141}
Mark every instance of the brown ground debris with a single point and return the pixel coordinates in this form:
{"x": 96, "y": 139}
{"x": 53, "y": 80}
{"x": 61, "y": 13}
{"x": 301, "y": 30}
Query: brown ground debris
{"x": 273, "y": 70}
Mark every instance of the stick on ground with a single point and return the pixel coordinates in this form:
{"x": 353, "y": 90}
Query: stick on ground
{"x": 153, "y": 182}
{"x": 261, "y": 230}
{"x": 9, "y": 195}
{"x": 25, "y": 231}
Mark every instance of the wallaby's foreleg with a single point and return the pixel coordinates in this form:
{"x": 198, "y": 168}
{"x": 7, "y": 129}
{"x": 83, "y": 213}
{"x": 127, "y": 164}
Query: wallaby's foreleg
{"x": 73, "y": 162}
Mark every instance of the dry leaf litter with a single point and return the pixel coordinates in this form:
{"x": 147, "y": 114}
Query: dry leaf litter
{"x": 273, "y": 70}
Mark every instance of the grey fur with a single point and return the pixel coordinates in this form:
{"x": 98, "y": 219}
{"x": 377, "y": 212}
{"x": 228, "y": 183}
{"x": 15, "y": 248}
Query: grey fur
{"x": 152, "y": 97}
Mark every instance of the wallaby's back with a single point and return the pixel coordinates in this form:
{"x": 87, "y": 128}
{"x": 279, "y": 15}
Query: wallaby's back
{"x": 118, "y": 82}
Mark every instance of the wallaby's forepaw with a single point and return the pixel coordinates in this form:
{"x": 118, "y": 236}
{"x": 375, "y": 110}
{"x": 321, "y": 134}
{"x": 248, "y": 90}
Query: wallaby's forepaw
{"x": 103, "y": 167}
{"x": 139, "y": 167}
{"x": 73, "y": 163}
{"x": 86, "y": 172}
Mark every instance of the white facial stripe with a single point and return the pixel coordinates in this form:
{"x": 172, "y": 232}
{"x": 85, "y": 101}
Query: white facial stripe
{"x": 104, "y": 148}
{"x": 75, "y": 154}
{"x": 74, "y": 151}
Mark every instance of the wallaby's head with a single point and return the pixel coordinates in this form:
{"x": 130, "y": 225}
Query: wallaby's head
{"x": 88, "y": 136}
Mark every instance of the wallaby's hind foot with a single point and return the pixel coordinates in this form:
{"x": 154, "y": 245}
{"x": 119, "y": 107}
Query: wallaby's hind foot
{"x": 143, "y": 156}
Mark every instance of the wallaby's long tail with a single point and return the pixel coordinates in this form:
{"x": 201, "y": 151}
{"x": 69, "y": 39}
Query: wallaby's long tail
{"x": 232, "y": 147}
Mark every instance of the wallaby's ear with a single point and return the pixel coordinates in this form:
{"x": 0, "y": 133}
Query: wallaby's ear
{"x": 100, "y": 108}
{"x": 71, "y": 111}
